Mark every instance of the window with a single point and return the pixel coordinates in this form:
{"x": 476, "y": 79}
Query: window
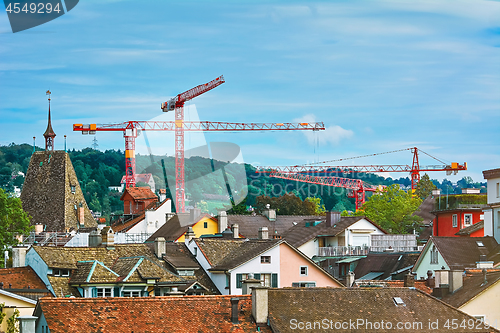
{"x": 434, "y": 255}
{"x": 265, "y": 259}
{"x": 454, "y": 221}
{"x": 303, "y": 270}
{"x": 73, "y": 189}
{"x": 131, "y": 293}
{"x": 60, "y": 272}
{"x": 467, "y": 219}
{"x": 104, "y": 292}
{"x": 205, "y": 225}
{"x": 268, "y": 279}
{"x": 186, "y": 272}
{"x": 304, "y": 284}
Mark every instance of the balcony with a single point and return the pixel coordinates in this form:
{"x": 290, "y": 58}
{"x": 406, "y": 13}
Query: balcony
{"x": 338, "y": 251}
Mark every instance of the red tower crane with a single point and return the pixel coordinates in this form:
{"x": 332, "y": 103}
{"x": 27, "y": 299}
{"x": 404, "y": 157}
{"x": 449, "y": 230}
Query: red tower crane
{"x": 357, "y": 186}
{"x": 176, "y": 104}
{"x": 414, "y": 169}
{"x": 130, "y": 129}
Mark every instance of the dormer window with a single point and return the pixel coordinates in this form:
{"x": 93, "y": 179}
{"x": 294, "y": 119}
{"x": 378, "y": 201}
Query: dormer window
{"x": 60, "y": 272}
{"x": 73, "y": 189}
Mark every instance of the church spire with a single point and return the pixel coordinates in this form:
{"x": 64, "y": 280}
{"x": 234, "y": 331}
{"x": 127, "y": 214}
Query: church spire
{"x": 49, "y": 132}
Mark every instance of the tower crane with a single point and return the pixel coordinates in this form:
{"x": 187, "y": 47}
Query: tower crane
{"x": 358, "y": 187}
{"x": 414, "y": 169}
{"x": 130, "y": 129}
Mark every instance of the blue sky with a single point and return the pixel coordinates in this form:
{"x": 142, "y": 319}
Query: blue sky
{"x": 381, "y": 75}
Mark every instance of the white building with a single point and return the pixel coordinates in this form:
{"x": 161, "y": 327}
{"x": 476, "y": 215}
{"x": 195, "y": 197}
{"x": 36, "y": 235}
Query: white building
{"x": 492, "y": 213}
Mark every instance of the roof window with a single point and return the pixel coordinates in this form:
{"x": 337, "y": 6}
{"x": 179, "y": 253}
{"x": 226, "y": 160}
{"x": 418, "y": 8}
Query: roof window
{"x": 398, "y": 301}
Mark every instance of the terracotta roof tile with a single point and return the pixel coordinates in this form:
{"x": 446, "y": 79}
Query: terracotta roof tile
{"x": 20, "y": 278}
{"x": 139, "y": 193}
{"x": 147, "y": 314}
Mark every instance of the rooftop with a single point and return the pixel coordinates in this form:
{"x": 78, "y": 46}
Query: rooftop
{"x": 147, "y": 314}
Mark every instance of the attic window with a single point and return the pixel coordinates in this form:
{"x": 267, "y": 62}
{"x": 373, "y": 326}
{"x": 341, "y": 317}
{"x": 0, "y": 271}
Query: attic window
{"x": 265, "y": 259}
{"x": 60, "y": 272}
{"x": 398, "y": 301}
{"x": 73, "y": 189}
{"x": 186, "y": 272}
{"x": 480, "y": 243}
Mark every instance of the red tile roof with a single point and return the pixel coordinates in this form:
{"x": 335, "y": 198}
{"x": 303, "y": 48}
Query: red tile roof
{"x": 147, "y": 314}
{"x": 20, "y": 278}
{"x": 139, "y": 193}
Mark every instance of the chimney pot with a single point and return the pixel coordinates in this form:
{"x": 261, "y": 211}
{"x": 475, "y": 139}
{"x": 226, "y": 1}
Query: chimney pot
{"x": 234, "y": 310}
{"x": 236, "y": 231}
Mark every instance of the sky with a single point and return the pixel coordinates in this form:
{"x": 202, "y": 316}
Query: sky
{"x": 381, "y": 75}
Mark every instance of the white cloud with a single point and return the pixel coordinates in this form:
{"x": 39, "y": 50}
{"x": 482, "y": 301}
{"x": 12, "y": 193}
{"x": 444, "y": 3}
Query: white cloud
{"x": 331, "y": 135}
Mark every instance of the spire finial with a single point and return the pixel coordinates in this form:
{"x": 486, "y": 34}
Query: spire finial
{"x": 49, "y": 132}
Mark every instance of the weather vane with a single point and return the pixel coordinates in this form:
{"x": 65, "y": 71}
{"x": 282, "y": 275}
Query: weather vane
{"x": 48, "y": 93}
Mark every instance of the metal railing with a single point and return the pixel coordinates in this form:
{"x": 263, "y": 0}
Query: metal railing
{"x": 335, "y": 251}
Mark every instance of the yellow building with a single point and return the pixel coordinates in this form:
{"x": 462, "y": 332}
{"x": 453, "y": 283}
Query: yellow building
{"x": 11, "y": 302}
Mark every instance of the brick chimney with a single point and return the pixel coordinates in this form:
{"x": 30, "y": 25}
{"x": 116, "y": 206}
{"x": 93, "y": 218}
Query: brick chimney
{"x": 332, "y": 218}
{"x": 409, "y": 280}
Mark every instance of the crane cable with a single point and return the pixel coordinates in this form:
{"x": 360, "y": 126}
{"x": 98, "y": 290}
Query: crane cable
{"x": 351, "y": 158}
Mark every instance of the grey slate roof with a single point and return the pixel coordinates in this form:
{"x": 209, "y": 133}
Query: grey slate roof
{"x": 467, "y": 231}
{"x": 425, "y": 209}
{"x": 249, "y": 225}
{"x": 472, "y": 286}
{"x": 301, "y": 233}
{"x": 464, "y": 252}
{"x": 225, "y": 254}
{"x": 385, "y": 263}
{"x": 290, "y": 306}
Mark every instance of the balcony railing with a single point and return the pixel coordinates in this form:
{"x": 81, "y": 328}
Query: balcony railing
{"x": 336, "y": 251}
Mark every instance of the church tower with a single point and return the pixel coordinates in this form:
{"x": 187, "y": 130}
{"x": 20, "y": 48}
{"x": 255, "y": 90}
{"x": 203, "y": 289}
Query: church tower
{"x": 49, "y": 132}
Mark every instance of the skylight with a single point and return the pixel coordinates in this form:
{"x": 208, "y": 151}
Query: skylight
{"x": 398, "y": 301}
{"x": 479, "y": 243}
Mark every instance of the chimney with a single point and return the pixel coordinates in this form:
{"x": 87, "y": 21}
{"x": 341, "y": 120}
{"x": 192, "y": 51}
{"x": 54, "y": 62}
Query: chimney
{"x": 222, "y": 221}
{"x": 332, "y": 218}
{"x": 236, "y": 231}
{"x": 455, "y": 280}
{"x": 95, "y": 239}
{"x": 163, "y": 194}
{"x": 39, "y": 228}
{"x": 270, "y": 213}
{"x": 263, "y": 233}
{"x": 430, "y": 281}
{"x": 189, "y": 234}
{"x": 234, "y": 310}
{"x": 442, "y": 286}
{"x": 409, "y": 280}
{"x": 485, "y": 280}
{"x": 483, "y": 262}
{"x": 108, "y": 237}
{"x": 19, "y": 256}
{"x": 81, "y": 216}
{"x": 349, "y": 280}
{"x": 27, "y": 324}
{"x": 260, "y": 305}
{"x": 194, "y": 214}
{"x": 160, "y": 247}
{"x": 248, "y": 284}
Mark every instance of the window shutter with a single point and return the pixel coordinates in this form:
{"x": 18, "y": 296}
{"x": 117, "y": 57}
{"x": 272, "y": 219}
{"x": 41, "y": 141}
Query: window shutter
{"x": 274, "y": 280}
{"x": 116, "y": 292}
{"x": 238, "y": 280}
{"x": 256, "y": 276}
{"x": 93, "y": 291}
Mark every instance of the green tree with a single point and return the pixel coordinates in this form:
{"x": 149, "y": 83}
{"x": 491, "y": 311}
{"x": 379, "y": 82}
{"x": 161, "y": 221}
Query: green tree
{"x": 393, "y": 209}
{"x": 13, "y": 323}
{"x": 424, "y": 187}
{"x": 95, "y": 205}
{"x": 13, "y": 221}
{"x": 319, "y": 209}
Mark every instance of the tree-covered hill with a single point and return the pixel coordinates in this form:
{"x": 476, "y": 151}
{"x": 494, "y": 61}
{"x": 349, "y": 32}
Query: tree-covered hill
{"x": 97, "y": 171}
